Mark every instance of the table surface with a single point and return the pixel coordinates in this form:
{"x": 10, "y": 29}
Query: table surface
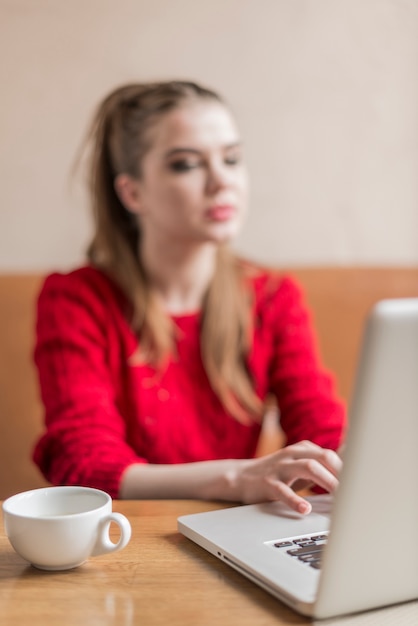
{"x": 160, "y": 578}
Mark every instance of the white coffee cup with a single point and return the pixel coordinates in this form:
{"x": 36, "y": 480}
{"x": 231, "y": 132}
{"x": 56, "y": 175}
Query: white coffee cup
{"x": 58, "y": 528}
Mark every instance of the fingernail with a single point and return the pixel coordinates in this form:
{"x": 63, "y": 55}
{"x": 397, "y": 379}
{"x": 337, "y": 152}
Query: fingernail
{"x": 304, "y": 507}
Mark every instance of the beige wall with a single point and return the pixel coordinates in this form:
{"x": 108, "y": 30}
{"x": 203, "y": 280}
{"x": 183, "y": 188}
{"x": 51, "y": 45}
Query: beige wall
{"x": 325, "y": 92}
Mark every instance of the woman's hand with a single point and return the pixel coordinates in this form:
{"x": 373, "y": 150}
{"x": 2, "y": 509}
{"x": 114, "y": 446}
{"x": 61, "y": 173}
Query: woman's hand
{"x": 275, "y": 476}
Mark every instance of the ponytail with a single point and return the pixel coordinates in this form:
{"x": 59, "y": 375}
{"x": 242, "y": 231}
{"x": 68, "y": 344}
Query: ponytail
{"x": 119, "y": 140}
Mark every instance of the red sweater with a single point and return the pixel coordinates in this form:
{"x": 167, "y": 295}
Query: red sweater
{"x": 104, "y": 411}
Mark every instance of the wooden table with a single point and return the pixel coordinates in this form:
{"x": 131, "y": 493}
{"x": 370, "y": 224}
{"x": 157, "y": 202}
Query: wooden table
{"x": 160, "y": 579}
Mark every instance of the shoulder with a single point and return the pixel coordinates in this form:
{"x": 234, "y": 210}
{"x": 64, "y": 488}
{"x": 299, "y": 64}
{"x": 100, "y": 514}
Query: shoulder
{"x": 86, "y": 277}
{"x": 87, "y": 281}
{"x": 84, "y": 312}
{"x": 86, "y": 287}
{"x": 273, "y": 289}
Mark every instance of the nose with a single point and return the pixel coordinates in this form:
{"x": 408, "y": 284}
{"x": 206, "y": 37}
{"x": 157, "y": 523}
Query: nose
{"x": 218, "y": 177}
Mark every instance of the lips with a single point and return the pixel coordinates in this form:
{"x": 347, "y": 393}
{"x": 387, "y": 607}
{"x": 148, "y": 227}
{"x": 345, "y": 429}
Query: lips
{"x": 220, "y": 212}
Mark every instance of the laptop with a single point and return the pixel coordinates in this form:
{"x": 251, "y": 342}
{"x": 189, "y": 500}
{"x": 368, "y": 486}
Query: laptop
{"x": 359, "y": 548}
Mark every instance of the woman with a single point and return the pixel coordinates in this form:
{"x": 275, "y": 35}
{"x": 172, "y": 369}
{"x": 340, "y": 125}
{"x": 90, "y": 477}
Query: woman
{"x": 156, "y": 359}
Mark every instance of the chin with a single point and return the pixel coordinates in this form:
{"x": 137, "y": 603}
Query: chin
{"x": 224, "y": 232}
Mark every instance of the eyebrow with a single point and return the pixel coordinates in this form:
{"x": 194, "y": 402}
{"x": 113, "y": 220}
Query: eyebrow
{"x": 180, "y": 149}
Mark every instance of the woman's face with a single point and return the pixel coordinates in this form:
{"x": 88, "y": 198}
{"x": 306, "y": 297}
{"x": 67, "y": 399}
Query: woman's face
{"x": 193, "y": 182}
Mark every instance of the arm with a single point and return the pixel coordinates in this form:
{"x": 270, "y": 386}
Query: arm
{"x": 309, "y": 407}
{"x": 85, "y": 438}
{"x": 239, "y": 480}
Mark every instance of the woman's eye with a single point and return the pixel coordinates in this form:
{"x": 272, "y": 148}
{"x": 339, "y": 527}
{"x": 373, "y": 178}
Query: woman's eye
{"x": 232, "y": 160}
{"x": 183, "y": 165}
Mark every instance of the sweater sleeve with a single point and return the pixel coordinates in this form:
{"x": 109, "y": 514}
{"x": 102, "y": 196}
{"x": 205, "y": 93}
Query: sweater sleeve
{"x": 305, "y": 391}
{"x": 85, "y": 438}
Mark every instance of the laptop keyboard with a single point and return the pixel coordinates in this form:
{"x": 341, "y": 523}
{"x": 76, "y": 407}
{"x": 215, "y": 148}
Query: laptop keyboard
{"x": 307, "y": 549}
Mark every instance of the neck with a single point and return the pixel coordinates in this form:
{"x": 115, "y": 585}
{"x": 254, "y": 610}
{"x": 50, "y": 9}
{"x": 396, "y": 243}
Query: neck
{"x": 179, "y": 276}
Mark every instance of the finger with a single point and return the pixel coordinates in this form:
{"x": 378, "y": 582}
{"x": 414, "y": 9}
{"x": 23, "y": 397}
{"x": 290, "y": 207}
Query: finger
{"x": 330, "y": 460}
{"x": 310, "y": 470}
{"x": 282, "y": 492}
{"x": 308, "y": 450}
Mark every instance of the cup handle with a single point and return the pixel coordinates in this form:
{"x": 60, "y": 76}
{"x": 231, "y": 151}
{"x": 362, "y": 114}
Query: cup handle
{"x": 104, "y": 544}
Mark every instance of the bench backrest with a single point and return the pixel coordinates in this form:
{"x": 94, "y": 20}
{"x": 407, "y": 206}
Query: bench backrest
{"x": 339, "y": 298}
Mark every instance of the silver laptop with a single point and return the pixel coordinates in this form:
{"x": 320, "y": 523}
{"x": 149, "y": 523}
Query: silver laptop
{"x": 361, "y": 550}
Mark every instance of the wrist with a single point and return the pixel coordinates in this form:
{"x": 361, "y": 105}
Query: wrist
{"x": 226, "y": 483}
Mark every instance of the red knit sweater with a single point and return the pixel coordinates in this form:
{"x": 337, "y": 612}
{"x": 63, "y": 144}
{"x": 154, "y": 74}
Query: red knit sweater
{"x": 104, "y": 411}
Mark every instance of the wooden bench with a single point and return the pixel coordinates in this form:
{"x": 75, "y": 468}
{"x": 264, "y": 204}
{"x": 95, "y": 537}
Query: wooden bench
{"x": 339, "y": 298}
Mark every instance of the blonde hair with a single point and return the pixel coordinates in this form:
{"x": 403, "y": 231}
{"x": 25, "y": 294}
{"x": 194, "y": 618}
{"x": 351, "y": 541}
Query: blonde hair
{"x": 120, "y": 139}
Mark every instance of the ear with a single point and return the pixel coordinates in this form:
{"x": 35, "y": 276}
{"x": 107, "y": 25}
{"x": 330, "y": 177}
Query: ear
{"x": 128, "y": 191}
